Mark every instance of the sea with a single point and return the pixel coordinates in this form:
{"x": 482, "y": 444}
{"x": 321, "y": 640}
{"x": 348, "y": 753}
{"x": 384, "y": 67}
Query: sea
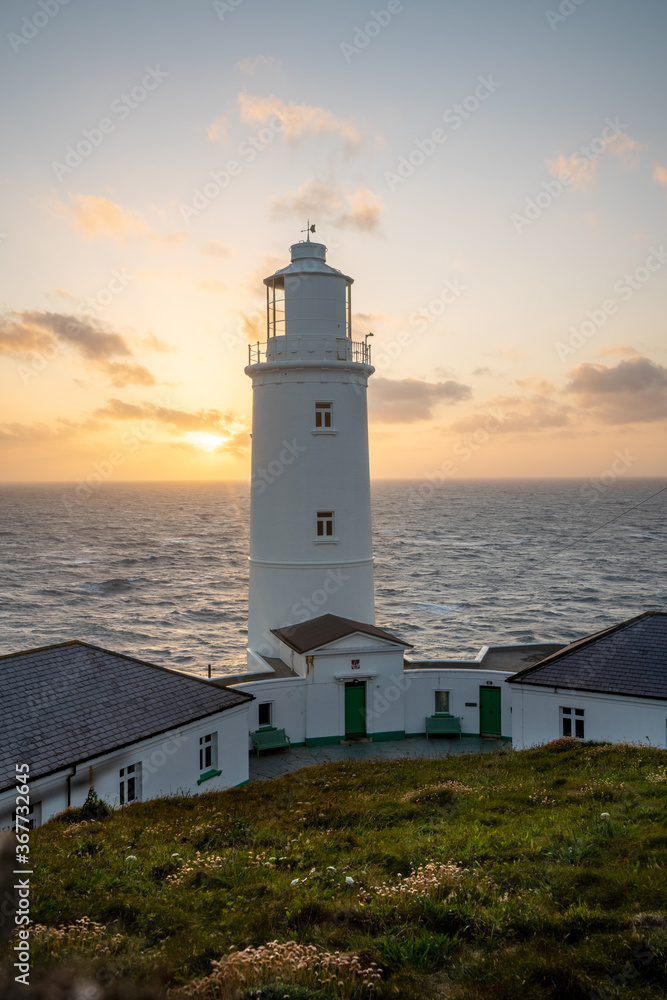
{"x": 160, "y": 570}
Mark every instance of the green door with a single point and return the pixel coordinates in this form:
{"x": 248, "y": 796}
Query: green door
{"x": 355, "y": 708}
{"x": 489, "y": 711}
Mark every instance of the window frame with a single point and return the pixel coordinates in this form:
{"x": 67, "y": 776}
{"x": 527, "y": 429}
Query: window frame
{"x": 568, "y": 715}
{"x": 323, "y": 410}
{"x": 260, "y": 706}
{"x": 326, "y": 519}
{"x": 275, "y": 317}
{"x": 444, "y": 711}
{"x": 130, "y": 782}
{"x": 208, "y": 745}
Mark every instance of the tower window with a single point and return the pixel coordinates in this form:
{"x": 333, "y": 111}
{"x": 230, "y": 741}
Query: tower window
{"x": 325, "y": 523}
{"x": 275, "y": 307}
{"x": 348, "y": 311}
{"x": 572, "y": 722}
{"x": 323, "y": 414}
{"x": 130, "y": 783}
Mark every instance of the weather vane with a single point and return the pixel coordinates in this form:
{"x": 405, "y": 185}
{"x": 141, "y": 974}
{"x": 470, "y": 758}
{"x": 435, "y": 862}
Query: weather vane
{"x": 308, "y": 230}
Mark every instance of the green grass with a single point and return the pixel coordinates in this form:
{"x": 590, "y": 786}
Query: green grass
{"x": 555, "y": 900}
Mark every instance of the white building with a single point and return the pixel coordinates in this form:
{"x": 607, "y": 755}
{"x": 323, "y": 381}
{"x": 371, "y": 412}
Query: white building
{"x": 80, "y": 716}
{"x": 318, "y": 666}
{"x": 611, "y": 686}
{"x": 310, "y": 520}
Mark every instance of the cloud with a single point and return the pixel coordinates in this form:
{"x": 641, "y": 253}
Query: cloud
{"x": 520, "y": 414}
{"x": 633, "y": 391}
{"x": 409, "y": 399}
{"x": 152, "y": 343}
{"x": 217, "y": 248}
{"x": 94, "y": 216}
{"x": 232, "y": 431}
{"x": 299, "y": 121}
{"x": 580, "y": 169}
{"x": 212, "y": 286}
{"x": 623, "y": 349}
{"x": 254, "y": 324}
{"x": 358, "y": 210}
{"x": 626, "y": 150}
{"x": 583, "y": 170}
{"x": 41, "y": 336}
{"x": 660, "y": 175}
{"x": 217, "y": 130}
{"x": 251, "y": 65}
{"x": 537, "y": 384}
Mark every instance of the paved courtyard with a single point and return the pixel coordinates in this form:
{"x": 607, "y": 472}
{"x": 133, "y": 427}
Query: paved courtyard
{"x": 274, "y": 763}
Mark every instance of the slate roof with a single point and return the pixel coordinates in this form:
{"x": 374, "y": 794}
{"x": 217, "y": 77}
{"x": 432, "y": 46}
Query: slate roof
{"x": 627, "y": 659}
{"x": 327, "y": 628}
{"x": 65, "y": 704}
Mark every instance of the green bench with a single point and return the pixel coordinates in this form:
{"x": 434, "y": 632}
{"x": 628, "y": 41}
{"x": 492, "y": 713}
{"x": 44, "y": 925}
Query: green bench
{"x": 269, "y": 738}
{"x": 443, "y": 724}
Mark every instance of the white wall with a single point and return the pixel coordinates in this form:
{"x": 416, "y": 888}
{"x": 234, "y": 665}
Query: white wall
{"x": 287, "y": 695}
{"x": 613, "y": 718}
{"x": 170, "y": 765}
{"x": 463, "y": 685}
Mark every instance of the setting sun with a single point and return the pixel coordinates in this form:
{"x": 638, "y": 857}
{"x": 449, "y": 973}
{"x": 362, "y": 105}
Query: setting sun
{"x": 207, "y": 442}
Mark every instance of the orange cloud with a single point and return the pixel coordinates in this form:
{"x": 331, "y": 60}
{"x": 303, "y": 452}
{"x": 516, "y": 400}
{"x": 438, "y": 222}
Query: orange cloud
{"x": 660, "y": 175}
{"x": 359, "y": 210}
{"x": 94, "y": 216}
{"x": 297, "y": 122}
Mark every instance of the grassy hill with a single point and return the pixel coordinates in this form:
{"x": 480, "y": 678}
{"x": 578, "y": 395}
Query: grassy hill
{"x": 539, "y": 874}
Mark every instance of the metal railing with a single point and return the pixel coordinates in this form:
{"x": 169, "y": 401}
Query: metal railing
{"x": 347, "y": 350}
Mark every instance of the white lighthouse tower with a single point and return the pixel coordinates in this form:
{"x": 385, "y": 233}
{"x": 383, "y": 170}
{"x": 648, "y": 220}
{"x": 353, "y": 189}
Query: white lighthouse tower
{"x": 310, "y": 518}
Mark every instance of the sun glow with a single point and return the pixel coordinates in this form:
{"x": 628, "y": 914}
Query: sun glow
{"x": 207, "y": 442}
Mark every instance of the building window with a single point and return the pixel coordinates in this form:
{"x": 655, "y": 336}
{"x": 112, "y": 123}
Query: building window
{"x": 324, "y": 415}
{"x": 208, "y": 752}
{"x": 325, "y": 524}
{"x": 348, "y": 311}
{"x": 130, "y": 783}
{"x": 572, "y": 722}
{"x": 442, "y": 701}
{"x": 266, "y": 713}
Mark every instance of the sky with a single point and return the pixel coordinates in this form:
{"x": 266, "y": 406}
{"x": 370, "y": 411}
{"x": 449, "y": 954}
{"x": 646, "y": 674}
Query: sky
{"x": 492, "y": 175}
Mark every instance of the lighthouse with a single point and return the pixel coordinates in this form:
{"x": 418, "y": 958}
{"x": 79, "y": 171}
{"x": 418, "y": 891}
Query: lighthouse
{"x": 310, "y": 517}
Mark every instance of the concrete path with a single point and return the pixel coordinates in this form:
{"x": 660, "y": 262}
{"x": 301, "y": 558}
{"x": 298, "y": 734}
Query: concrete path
{"x": 274, "y": 763}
